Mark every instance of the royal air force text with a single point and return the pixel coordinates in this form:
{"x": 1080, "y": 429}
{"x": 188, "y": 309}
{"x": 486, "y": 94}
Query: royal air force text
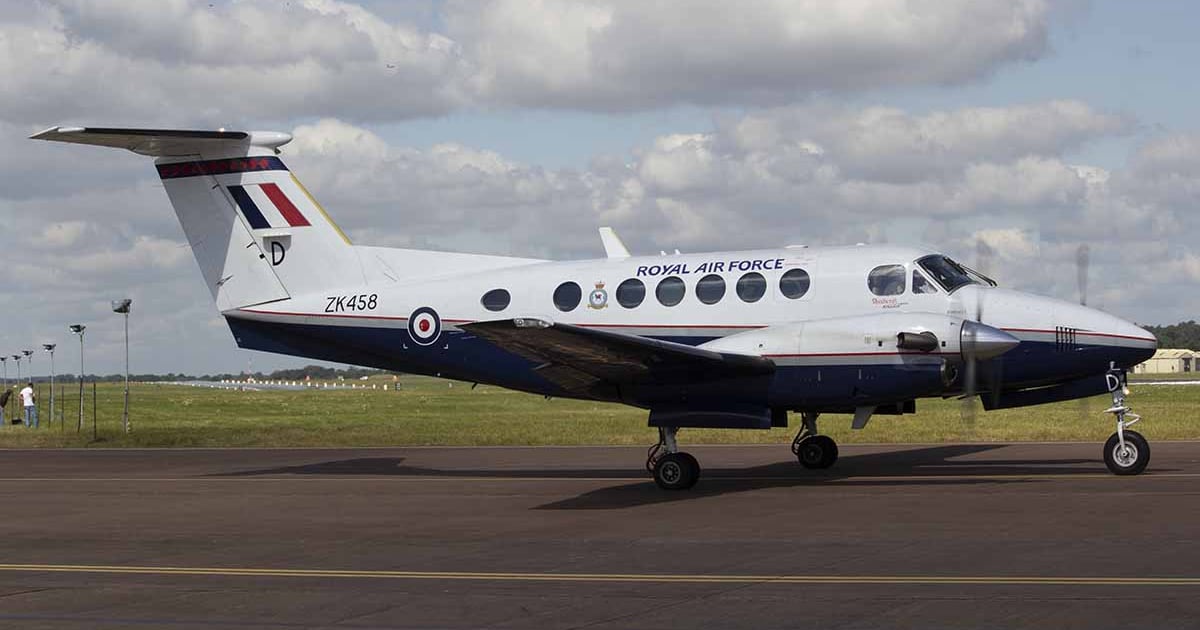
{"x": 351, "y": 303}
{"x": 712, "y": 266}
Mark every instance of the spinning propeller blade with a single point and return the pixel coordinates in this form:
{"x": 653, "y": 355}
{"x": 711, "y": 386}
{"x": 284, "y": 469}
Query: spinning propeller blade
{"x": 1082, "y": 258}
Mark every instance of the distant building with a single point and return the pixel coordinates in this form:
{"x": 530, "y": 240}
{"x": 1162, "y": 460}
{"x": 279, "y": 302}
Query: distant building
{"x": 1169, "y": 361}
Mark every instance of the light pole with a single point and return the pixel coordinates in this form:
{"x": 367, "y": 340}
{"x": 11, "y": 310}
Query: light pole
{"x": 49, "y": 347}
{"x": 78, "y": 329}
{"x": 29, "y": 359}
{"x": 4, "y": 361}
{"x": 17, "y": 358}
{"x": 122, "y": 307}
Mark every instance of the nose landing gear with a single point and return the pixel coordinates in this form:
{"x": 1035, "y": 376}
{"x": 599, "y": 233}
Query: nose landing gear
{"x": 1126, "y": 452}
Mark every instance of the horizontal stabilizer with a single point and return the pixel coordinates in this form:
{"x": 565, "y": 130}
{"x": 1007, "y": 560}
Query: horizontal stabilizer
{"x": 166, "y": 142}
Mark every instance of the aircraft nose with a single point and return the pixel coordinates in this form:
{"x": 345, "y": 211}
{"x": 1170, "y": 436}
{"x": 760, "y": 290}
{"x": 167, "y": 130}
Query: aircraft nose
{"x": 1129, "y": 343}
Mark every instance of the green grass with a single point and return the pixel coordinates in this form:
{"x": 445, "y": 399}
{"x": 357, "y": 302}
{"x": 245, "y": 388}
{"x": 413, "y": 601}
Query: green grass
{"x": 430, "y": 412}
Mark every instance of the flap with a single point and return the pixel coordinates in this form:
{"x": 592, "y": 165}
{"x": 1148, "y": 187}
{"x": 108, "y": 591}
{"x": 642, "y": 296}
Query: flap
{"x": 581, "y": 359}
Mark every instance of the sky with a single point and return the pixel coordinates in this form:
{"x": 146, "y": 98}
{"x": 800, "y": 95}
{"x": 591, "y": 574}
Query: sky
{"x": 519, "y": 127}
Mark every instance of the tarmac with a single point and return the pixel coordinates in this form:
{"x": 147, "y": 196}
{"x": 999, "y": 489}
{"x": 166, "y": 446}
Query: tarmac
{"x": 912, "y": 536}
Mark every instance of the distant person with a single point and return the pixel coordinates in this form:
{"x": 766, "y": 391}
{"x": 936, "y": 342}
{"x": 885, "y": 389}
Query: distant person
{"x": 4, "y": 396}
{"x": 29, "y": 399}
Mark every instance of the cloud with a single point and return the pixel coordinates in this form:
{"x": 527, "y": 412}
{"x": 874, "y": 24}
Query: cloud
{"x": 621, "y": 56}
{"x": 233, "y": 63}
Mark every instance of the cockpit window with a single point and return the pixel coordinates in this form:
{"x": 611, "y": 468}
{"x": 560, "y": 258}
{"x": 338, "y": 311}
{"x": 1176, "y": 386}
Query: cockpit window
{"x": 921, "y": 284}
{"x": 951, "y": 275}
{"x": 886, "y": 280}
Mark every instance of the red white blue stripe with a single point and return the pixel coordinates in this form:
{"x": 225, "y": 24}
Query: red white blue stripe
{"x": 266, "y": 206}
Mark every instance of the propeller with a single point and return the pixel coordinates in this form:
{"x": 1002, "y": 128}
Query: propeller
{"x": 1082, "y": 258}
{"x": 981, "y": 343}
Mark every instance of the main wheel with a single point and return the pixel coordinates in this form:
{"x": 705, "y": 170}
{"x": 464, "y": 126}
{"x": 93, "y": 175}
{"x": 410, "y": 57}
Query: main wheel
{"x": 676, "y": 471}
{"x": 1130, "y": 459}
{"x": 818, "y": 451}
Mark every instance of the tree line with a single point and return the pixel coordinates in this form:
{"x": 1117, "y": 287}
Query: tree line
{"x": 315, "y": 372}
{"x": 1182, "y": 335}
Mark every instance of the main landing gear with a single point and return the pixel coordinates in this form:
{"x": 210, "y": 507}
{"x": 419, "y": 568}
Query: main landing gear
{"x": 1126, "y": 452}
{"x": 813, "y": 450}
{"x": 672, "y": 468}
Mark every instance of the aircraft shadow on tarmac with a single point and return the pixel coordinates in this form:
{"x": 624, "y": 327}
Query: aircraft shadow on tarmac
{"x": 931, "y": 465}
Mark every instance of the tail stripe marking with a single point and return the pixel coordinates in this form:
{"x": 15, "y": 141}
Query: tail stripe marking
{"x": 249, "y": 209}
{"x": 220, "y": 167}
{"x": 284, "y": 205}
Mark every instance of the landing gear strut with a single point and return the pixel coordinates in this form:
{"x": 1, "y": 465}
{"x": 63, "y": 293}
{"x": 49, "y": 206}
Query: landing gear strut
{"x": 672, "y": 468}
{"x": 813, "y": 450}
{"x": 1126, "y": 452}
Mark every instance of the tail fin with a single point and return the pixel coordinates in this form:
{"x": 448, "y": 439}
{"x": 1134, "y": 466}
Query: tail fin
{"x": 257, "y": 233}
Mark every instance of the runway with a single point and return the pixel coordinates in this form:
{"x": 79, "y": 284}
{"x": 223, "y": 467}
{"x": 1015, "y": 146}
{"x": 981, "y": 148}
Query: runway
{"x": 1024, "y": 536}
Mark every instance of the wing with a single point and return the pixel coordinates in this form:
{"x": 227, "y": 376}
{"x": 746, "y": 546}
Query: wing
{"x": 599, "y": 363}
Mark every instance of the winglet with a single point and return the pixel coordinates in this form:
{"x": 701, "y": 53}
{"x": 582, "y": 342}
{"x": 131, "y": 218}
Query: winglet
{"x": 613, "y": 246}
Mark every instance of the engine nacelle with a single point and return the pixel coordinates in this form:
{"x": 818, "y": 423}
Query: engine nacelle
{"x": 930, "y": 335}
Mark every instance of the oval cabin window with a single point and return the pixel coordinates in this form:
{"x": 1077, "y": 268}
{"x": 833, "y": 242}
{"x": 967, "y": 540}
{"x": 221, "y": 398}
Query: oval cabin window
{"x": 670, "y": 291}
{"x": 567, "y": 296}
{"x": 793, "y": 284}
{"x": 751, "y": 287}
{"x": 495, "y": 300}
{"x": 710, "y": 289}
{"x": 631, "y": 293}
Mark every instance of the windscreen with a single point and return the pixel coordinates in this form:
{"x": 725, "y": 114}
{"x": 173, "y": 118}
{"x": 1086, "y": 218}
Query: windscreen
{"x": 950, "y": 274}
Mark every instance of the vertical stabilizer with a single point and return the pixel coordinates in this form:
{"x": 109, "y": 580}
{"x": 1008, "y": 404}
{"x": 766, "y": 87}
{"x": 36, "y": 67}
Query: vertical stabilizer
{"x": 257, "y": 233}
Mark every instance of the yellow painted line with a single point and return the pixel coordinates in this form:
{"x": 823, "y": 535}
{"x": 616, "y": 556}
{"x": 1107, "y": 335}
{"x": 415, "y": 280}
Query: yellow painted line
{"x": 990, "y": 580}
{"x": 359, "y": 478}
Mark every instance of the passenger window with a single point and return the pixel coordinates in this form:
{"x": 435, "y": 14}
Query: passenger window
{"x": 751, "y": 287}
{"x": 921, "y": 284}
{"x": 710, "y": 289}
{"x": 793, "y": 284}
{"x": 567, "y": 296}
{"x": 631, "y": 293}
{"x": 495, "y": 300}
{"x": 670, "y": 291}
{"x": 886, "y": 280}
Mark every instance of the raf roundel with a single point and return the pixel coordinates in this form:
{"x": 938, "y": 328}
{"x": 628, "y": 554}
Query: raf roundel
{"x": 424, "y": 326}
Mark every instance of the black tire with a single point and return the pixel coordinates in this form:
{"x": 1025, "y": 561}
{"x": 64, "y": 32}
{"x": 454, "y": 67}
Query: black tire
{"x": 817, "y": 452}
{"x": 1132, "y": 462}
{"x": 695, "y": 466}
{"x": 676, "y": 471}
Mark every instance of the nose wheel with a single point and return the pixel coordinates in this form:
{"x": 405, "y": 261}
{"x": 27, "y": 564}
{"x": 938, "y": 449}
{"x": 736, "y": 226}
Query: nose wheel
{"x": 671, "y": 468}
{"x": 1127, "y": 456}
{"x": 1126, "y": 452}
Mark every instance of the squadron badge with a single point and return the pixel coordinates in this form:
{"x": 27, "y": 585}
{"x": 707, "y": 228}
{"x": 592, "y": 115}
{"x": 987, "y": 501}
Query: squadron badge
{"x": 598, "y": 298}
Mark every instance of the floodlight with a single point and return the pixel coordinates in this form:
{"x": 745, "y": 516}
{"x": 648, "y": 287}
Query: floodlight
{"x": 49, "y": 347}
{"x": 27, "y": 352}
{"x": 77, "y": 328}
{"x": 122, "y": 307}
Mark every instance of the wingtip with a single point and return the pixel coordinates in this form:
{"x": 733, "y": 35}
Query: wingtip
{"x": 49, "y": 133}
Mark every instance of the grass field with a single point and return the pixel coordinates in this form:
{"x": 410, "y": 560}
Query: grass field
{"x": 429, "y": 411}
